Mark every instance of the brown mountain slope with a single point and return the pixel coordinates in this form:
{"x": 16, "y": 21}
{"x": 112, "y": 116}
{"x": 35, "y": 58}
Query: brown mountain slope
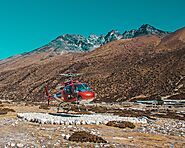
{"x": 173, "y": 41}
{"x": 25, "y": 60}
{"x": 119, "y": 70}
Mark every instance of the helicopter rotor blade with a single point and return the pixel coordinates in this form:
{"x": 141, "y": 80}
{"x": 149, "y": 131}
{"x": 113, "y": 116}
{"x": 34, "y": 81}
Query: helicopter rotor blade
{"x": 70, "y": 75}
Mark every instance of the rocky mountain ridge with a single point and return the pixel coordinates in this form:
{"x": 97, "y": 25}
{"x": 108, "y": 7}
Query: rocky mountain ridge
{"x": 78, "y": 43}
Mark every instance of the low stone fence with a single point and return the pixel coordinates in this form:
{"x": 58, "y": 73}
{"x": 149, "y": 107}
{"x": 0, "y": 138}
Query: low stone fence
{"x": 71, "y": 119}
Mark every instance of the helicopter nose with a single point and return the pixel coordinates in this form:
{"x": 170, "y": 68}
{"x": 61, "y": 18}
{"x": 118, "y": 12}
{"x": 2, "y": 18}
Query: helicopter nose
{"x": 90, "y": 94}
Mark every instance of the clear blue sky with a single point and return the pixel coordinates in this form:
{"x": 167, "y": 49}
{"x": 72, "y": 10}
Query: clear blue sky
{"x": 29, "y": 24}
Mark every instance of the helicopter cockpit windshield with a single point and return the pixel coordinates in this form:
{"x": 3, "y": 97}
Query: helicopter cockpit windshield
{"x": 82, "y": 87}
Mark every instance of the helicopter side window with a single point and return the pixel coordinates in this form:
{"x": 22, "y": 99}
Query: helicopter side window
{"x": 82, "y": 87}
{"x": 68, "y": 89}
{"x": 76, "y": 88}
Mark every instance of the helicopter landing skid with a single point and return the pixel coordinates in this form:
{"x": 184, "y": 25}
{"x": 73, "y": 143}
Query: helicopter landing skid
{"x": 66, "y": 107}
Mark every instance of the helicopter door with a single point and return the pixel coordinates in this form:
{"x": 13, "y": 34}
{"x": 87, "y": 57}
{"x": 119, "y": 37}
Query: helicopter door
{"x": 68, "y": 92}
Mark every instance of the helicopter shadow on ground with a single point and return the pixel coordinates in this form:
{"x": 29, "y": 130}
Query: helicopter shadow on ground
{"x": 64, "y": 115}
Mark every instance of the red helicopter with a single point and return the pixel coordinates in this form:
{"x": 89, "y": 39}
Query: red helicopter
{"x": 72, "y": 91}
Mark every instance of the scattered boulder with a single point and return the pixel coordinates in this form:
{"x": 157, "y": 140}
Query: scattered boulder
{"x": 19, "y": 145}
{"x": 6, "y": 110}
{"x": 44, "y": 106}
{"x": 82, "y": 136}
{"x": 121, "y": 124}
{"x": 2, "y": 112}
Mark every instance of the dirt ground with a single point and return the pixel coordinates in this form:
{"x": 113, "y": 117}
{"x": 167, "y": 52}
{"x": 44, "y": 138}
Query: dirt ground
{"x": 18, "y": 133}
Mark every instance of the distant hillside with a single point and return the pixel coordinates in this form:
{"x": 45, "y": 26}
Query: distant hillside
{"x": 75, "y": 43}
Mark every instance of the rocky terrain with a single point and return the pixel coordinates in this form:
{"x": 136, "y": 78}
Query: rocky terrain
{"x": 156, "y": 132}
